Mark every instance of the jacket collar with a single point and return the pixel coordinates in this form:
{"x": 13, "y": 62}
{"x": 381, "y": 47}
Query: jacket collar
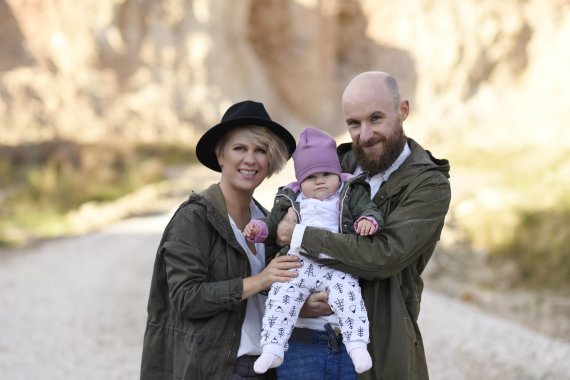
{"x": 217, "y": 214}
{"x": 418, "y": 161}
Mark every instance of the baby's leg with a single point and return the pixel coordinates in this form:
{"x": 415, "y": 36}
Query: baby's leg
{"x": 346, "y": 301}
{"x": 281, "y": 312}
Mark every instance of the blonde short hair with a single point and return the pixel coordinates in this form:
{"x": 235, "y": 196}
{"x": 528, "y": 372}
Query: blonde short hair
{"x": 275, "y": 148}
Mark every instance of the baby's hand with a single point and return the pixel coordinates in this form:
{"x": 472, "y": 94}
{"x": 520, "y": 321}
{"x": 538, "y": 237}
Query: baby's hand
{"x": 365, "y": 227}
{"x": 251, "y": 230}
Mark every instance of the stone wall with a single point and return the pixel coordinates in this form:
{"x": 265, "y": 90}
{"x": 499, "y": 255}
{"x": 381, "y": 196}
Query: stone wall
{"x": 165, "y": 70}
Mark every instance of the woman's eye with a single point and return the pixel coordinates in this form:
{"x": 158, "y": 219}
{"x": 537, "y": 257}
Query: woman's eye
{"x": 260, "y": 150}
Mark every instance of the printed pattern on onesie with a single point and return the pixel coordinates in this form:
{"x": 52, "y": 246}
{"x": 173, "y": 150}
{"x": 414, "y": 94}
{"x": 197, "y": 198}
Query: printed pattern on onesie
{"x": 286, "y": 299}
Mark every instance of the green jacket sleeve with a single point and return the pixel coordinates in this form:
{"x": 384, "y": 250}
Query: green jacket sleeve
{"x": 280, "y": 207}
{"x": 193, "y": 290}
{"x": 411, "y": 228}
{"x": 360, "y": 204}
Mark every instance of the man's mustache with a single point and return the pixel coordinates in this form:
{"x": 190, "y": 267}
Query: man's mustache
{"x": 372, "y": 141}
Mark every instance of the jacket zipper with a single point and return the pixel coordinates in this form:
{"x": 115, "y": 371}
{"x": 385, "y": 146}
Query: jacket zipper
{"x": 344, "y": 195}
{"x": 292, "y": 205}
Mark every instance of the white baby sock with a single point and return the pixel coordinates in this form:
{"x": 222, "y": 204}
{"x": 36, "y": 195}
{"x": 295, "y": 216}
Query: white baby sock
{"x": 361, "y": 359}
{"x": 268, "y": 360}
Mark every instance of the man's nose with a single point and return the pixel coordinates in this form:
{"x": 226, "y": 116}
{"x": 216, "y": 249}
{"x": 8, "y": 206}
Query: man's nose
{"x": 366, "y": 132}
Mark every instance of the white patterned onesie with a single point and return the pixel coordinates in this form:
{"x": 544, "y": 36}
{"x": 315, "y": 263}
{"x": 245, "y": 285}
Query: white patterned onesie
{"x": 286, "y": 299}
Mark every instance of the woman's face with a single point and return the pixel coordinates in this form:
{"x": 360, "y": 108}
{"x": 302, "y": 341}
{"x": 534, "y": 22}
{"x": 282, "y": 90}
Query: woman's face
{"x": 244, "y": 163}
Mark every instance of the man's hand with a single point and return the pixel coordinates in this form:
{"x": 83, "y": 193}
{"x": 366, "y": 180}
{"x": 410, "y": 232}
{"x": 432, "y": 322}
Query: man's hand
{"x": 316, "y": 306}
{"x": 286, "y": 227}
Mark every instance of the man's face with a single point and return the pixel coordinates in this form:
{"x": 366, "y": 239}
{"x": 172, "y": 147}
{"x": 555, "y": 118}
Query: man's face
{"x": 375, "y": 124}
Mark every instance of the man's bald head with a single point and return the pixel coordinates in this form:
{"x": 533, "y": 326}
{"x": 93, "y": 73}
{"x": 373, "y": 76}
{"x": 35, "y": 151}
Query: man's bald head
{"x": 370, "y": 85}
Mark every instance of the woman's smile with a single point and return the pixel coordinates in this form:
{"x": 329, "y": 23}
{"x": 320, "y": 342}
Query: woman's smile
{"x": 247, "y": 172}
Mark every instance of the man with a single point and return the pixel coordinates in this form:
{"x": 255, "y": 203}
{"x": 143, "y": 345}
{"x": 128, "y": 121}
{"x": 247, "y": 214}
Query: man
{"x": 411, "y": 188}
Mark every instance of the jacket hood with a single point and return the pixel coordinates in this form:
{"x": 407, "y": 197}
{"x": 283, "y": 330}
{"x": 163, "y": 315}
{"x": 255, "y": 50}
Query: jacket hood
{"x": 213, "y": 199}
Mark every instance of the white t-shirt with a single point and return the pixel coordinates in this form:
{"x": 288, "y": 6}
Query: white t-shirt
{"x": 251, "y": 328}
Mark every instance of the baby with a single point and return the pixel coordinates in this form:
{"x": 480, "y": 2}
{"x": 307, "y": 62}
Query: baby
{"x": 323, "y": 197}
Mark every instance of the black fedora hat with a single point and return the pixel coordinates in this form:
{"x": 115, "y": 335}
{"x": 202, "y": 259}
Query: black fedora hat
{"x": 240, "y": 114}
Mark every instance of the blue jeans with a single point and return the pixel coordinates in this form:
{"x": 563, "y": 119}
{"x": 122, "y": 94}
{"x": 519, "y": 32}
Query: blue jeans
{"x": 316, "y": 361}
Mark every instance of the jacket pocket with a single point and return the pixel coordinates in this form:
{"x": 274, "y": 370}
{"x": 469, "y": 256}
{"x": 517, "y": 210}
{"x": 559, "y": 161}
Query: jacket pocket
{"x": 186, "y": 358}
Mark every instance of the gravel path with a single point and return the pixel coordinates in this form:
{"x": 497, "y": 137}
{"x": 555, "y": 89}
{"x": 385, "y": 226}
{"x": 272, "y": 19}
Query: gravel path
{"x": 75, "y": 308}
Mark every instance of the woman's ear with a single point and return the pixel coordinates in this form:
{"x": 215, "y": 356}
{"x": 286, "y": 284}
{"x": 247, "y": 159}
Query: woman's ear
{"x": 220, "y": 158}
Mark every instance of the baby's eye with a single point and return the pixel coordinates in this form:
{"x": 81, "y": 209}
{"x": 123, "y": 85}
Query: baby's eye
{"x": 311, "y": 177}
{"x": 326, "y": 174}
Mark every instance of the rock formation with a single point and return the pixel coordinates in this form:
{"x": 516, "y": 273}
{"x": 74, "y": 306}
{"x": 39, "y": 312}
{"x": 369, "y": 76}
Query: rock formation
{"x": 165, "y": 70}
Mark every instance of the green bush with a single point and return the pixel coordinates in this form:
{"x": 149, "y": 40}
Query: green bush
{"x": 40, "y": 183}
{"x": 541, "y": 248}
{"x": 517, "y": 208}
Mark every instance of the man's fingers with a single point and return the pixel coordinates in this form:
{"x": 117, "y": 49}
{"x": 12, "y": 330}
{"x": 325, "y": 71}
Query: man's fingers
{"x": 319, "y": 297}
{"x": 291, "y": 215}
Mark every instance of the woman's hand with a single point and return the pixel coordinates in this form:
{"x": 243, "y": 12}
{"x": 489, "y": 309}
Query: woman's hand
{"x": 276, "y": 271}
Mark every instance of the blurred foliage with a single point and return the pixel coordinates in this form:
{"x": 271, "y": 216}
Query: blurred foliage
{"x": 40, "y": 183}
{"x": 541, "y": 248}
{"x": 516, "y": 207}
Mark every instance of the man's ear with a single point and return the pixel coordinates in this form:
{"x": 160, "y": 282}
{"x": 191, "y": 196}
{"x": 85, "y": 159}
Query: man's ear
{"x": 404, "y": 109}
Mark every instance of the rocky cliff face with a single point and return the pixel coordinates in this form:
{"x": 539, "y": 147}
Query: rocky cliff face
{"x": 165, "y": 70}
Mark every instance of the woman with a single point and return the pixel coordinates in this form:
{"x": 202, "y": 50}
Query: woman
{"x": 205, "y": 310}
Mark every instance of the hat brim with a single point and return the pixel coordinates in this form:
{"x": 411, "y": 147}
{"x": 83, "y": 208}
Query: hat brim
{"x": 206, "y": 146}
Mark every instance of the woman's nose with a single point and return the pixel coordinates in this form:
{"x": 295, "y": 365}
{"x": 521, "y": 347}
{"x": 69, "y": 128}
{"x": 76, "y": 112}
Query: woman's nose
{"x": 249, "y": 157}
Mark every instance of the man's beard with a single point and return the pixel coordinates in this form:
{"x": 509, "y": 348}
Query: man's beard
{"x": 393, "y": 146}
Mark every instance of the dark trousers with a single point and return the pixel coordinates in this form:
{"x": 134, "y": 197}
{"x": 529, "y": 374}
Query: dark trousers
{"x": 244, "y": 369}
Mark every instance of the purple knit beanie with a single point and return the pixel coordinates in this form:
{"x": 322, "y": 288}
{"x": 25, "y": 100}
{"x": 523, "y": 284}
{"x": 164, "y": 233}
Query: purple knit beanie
{"x": 315, "y": 152}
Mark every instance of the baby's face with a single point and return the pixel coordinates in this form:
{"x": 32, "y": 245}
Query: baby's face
{"x": 320, "y": 185}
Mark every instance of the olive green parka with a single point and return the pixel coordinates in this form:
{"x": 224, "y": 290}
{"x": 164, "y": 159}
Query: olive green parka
{"x": 414, "y": 201}
{"x": 195, "y": 310}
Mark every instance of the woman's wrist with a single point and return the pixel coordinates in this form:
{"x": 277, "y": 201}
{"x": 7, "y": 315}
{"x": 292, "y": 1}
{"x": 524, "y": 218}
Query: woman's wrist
{"x": 251, "y": 285}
